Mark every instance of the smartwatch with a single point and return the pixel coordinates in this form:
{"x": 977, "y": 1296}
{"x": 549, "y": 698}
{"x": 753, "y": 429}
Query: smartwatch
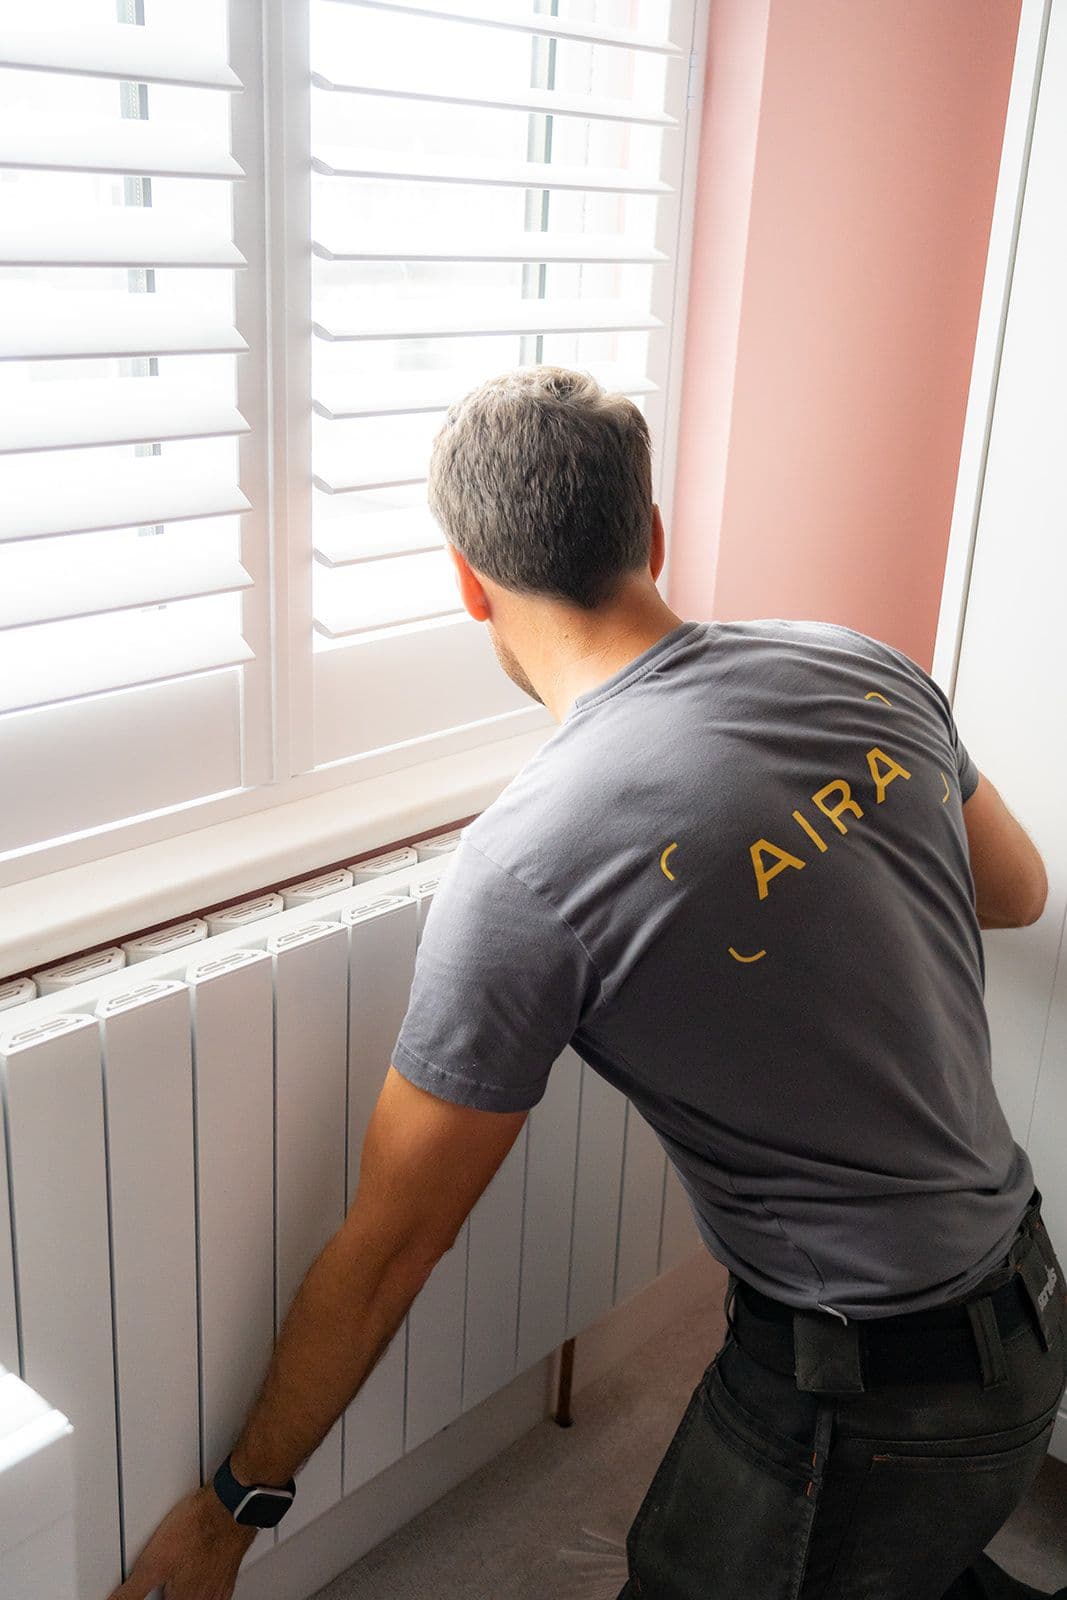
{"x": 257, "y": 1505}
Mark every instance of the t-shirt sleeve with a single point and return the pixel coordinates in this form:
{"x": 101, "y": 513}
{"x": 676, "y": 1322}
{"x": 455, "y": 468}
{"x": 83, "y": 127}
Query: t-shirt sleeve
{"x": 501, "y": 984}
{"x": 966, "y": 766}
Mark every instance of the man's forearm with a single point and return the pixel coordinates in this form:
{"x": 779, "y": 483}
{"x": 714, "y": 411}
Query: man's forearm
{"x": 341, "y": 1322}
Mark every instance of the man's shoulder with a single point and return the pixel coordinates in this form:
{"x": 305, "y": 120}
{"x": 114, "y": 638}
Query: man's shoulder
{"x": 528, "y": 829}
{"x": 838, "y": 636}
{"x": 818, "y": 631}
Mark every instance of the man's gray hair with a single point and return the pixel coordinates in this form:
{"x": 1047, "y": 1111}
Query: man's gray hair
{"x": 544, "y": 483}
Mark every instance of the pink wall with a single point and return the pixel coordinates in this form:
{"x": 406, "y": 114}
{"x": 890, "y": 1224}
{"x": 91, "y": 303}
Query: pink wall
{"x": 848, "y": 165}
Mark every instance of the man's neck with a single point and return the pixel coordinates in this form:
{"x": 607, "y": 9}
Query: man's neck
{"x": 580, "y": 665}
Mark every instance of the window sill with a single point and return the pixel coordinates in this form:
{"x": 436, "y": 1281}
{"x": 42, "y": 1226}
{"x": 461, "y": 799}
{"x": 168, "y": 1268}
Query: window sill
{"x": 46, "y": 919}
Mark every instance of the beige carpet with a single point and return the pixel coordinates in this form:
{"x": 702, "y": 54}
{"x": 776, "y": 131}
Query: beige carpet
{"x": 547, "y": 1519}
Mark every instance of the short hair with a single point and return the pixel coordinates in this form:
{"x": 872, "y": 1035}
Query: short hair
{"x": 543, "y": 481}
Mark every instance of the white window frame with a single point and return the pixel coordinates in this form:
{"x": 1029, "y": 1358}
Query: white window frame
{"x": 136, "y": 873}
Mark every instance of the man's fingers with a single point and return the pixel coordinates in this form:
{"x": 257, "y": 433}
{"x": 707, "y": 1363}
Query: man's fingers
{"x": 138, "y": 1585}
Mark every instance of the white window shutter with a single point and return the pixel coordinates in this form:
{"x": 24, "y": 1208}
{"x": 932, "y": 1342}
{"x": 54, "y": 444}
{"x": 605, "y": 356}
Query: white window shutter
{"x": 489, "y": 187}
{"x": 249, "y": 255}
{"x": 120, "y": 556}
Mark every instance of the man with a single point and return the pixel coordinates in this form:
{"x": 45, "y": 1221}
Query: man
{"x": 745, "y": 877}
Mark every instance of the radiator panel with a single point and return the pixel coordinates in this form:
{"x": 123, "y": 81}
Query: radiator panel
{"x": 149, "y": 1114}
{"x": 435, "y": 1347}
{"x": 381, "y": 967}
{"x": 233, "y": 1096}
{"x": 598, "y": 1186}
{"x": 59, "y": 1187}
{"x": 493, "y": 1268}
{"x": 641, "y": 1213}
{"x": 552, "y": 1131}
{"x": 310, "y": 1048}
{"x": 434, "y": 1386}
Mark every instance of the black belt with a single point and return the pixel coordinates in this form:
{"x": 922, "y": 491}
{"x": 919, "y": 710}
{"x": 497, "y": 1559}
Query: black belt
{"x": 916, "y": 1347}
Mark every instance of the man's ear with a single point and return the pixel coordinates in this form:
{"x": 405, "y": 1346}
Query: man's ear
{"x": 659, "y": 544}
{"x": 470, "y": 589}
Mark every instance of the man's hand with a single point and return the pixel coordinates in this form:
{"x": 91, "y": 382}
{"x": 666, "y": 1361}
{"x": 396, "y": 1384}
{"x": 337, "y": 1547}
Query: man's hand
{"x": 194, "y": 1554}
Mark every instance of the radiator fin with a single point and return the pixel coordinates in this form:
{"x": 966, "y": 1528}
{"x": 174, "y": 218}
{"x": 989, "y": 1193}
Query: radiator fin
{"x": 310, "y": 1028}
{"x": 546, "y": 1251}
{"x": 233, "y": 1024}
{"x": 382, "y": 965}
{"x": 55, "y": 1105}
{"x": 493, "y": 1279}
{"x": 148, "y": 1100}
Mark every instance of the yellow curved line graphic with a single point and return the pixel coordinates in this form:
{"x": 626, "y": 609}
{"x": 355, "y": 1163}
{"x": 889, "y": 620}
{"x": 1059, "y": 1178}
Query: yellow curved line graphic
{"x": 874, "y": 695}
{"x": 663, "y": 860}
{"x": 944, "y": 780}
{"x": 737, "y": 957}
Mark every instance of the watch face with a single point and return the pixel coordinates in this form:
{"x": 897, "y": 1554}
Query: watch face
{"x": 262, "y": 1509}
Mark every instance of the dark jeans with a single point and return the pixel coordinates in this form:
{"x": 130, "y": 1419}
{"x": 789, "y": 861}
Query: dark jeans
{"x": 767, "y": 1492}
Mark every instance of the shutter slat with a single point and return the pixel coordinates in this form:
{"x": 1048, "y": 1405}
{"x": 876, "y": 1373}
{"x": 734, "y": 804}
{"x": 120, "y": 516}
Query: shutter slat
{"x": 72, "y": 415}
{"x": 130, "y": 236}
{"x": 342, "y": 475}
{"x": 50, "y": 327}
{"x": 115, "y": 50}
{"x": 126, "y": 145}
{"x": 333, "y": 243}
{"x": 533, "y": 22}
{"x": 142, "y": 493}
{"x": 547, "y": 101}
{"x": 390, "y": 394}
{"x": 33, "y": 591}
{"x": 73, "y": 660}
{"x": 406, "y": 393}
{"x": 421, "y": 168}
{"x": 382, "y": 594}
{"x": 442, "y": 319}
{"x": 341, "y": 542}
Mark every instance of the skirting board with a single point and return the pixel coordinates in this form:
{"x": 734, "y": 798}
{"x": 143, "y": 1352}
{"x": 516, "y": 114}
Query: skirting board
{"x": 315, "y": 1555}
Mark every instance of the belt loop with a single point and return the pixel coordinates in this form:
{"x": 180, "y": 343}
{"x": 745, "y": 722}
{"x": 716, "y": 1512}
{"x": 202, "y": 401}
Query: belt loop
{"x": 827, "y": 1354}
{"x": 986, "y": 1332}
{"x": 1040, "y": 1279}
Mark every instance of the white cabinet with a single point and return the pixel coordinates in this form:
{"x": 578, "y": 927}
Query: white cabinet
{"x": 1002, "y": 645}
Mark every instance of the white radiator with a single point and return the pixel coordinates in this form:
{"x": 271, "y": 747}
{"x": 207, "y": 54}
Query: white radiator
{"x": 180, "y": 1141}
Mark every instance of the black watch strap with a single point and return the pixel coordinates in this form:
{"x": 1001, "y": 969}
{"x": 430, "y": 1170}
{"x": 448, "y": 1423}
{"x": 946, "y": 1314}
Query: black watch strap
{"x": 256, "y": 1505}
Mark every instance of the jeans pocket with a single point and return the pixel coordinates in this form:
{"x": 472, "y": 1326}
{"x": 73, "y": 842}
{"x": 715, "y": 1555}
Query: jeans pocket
{"x": 729, "y": 1510}
{"x": 924, "y": 1511}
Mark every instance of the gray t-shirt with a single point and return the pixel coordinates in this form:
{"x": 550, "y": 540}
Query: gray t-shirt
{"x": 735, "y": 879}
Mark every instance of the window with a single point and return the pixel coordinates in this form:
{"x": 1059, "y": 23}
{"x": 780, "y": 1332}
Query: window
{"x": 235, "y": 304}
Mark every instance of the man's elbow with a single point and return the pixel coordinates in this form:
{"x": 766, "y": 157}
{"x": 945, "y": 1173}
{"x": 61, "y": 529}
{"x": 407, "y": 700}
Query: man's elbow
{"x": 1024, "y": 907}
{"x": 1036, "y": 895}
{"x": 1037, "y": 902}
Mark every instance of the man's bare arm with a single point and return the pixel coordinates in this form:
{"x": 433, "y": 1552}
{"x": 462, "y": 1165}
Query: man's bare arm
{"x": 1010, "y": 883}
{"x": 425, "y": 1162}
